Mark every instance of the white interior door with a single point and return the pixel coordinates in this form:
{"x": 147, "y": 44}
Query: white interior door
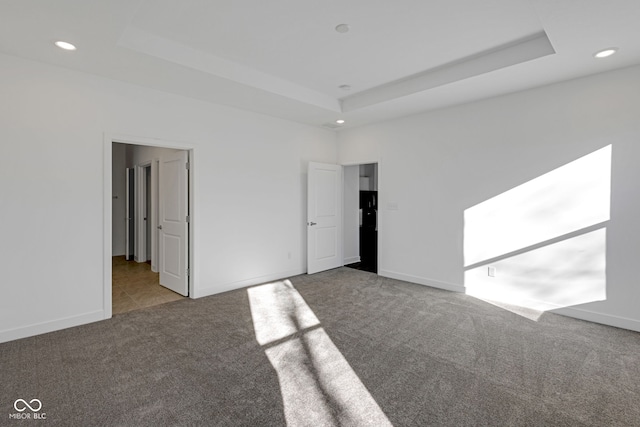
{"x": 324, "y": 217}
{"x": 173, "y": 222}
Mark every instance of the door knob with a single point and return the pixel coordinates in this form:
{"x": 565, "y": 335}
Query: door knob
{"x": 311, "y": 223}
{"x": 160, "y": 227}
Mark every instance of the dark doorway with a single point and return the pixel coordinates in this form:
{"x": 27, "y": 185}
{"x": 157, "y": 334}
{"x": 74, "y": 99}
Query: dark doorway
{"x": 368, "y": 229}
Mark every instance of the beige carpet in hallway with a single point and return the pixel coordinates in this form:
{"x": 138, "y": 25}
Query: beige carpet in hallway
{"x": 135, "y": 286}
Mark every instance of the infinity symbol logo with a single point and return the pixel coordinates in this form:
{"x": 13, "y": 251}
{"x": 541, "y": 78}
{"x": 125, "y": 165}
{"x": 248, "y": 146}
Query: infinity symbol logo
{"x": 27, "y": 405}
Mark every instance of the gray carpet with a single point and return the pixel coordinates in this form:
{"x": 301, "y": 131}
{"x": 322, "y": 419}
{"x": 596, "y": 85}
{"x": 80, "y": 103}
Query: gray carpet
{"x": 355, "y": 349}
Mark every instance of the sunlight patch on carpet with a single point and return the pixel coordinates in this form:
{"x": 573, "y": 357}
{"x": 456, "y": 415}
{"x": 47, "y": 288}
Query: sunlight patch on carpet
{"x": 318, "y": 385}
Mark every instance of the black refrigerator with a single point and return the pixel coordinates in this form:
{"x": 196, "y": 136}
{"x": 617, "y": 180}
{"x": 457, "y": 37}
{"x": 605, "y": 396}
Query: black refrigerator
{"x": 369, "y": 231}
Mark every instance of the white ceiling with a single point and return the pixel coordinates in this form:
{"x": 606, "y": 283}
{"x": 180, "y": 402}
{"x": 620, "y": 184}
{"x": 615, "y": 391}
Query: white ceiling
{"x": 284, "y": 57}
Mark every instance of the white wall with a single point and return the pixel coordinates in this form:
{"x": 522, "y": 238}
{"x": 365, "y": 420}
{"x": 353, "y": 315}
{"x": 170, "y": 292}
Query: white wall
{"x": 438, "y": 164}
{"x": 119, "y": 202}
{"x": 351, "y": 223}
{"x": 141, "y": 154}
{"x": 249, "y": 190}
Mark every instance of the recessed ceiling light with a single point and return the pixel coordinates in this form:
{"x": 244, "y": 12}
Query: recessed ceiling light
{"x": 65, "y": 45}
{"x": 344, "y": 87}
{"x": 342, "y": 28}
{"x": 340, "y": 121}
{"x": 605, "y": 52}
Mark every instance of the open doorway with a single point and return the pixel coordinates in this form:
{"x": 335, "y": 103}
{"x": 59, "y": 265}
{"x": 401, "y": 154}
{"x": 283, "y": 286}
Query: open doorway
{"x": 361, "y": 217}
{"x": 150, "y": 226}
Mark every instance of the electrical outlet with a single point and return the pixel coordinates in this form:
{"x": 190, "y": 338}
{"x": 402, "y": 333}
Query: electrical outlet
{"x": 491, "y": 271}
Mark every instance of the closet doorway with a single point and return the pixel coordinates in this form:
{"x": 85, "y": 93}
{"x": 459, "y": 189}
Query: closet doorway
{"x": 361, "y": 216}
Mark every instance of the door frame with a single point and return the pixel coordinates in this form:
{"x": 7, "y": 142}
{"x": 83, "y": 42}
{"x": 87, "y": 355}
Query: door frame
{"x": 130, "y": 203}
{"x": 108, "y": 140}
{"x": 155, "y": 201}
{"x": 144, "y": 252}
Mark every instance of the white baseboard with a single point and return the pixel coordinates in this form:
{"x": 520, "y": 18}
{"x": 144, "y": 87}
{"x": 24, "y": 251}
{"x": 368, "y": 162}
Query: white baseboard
{"x": 50, "y": 326}
{"x": 422, "y": 281}
{"x": 225, "y": 287}
{"x": 578, "y": 313}
{"x": 605, "y": 319}
{"x": 351, "y": 260}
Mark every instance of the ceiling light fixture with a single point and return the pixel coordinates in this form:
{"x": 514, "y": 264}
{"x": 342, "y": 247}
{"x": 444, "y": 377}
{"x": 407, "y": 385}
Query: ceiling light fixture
{"x": 340, "y": 121}
{"x": 65, "y": 45}
{"x": 605, "y": 52}
{"x": 342, "y": 28}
